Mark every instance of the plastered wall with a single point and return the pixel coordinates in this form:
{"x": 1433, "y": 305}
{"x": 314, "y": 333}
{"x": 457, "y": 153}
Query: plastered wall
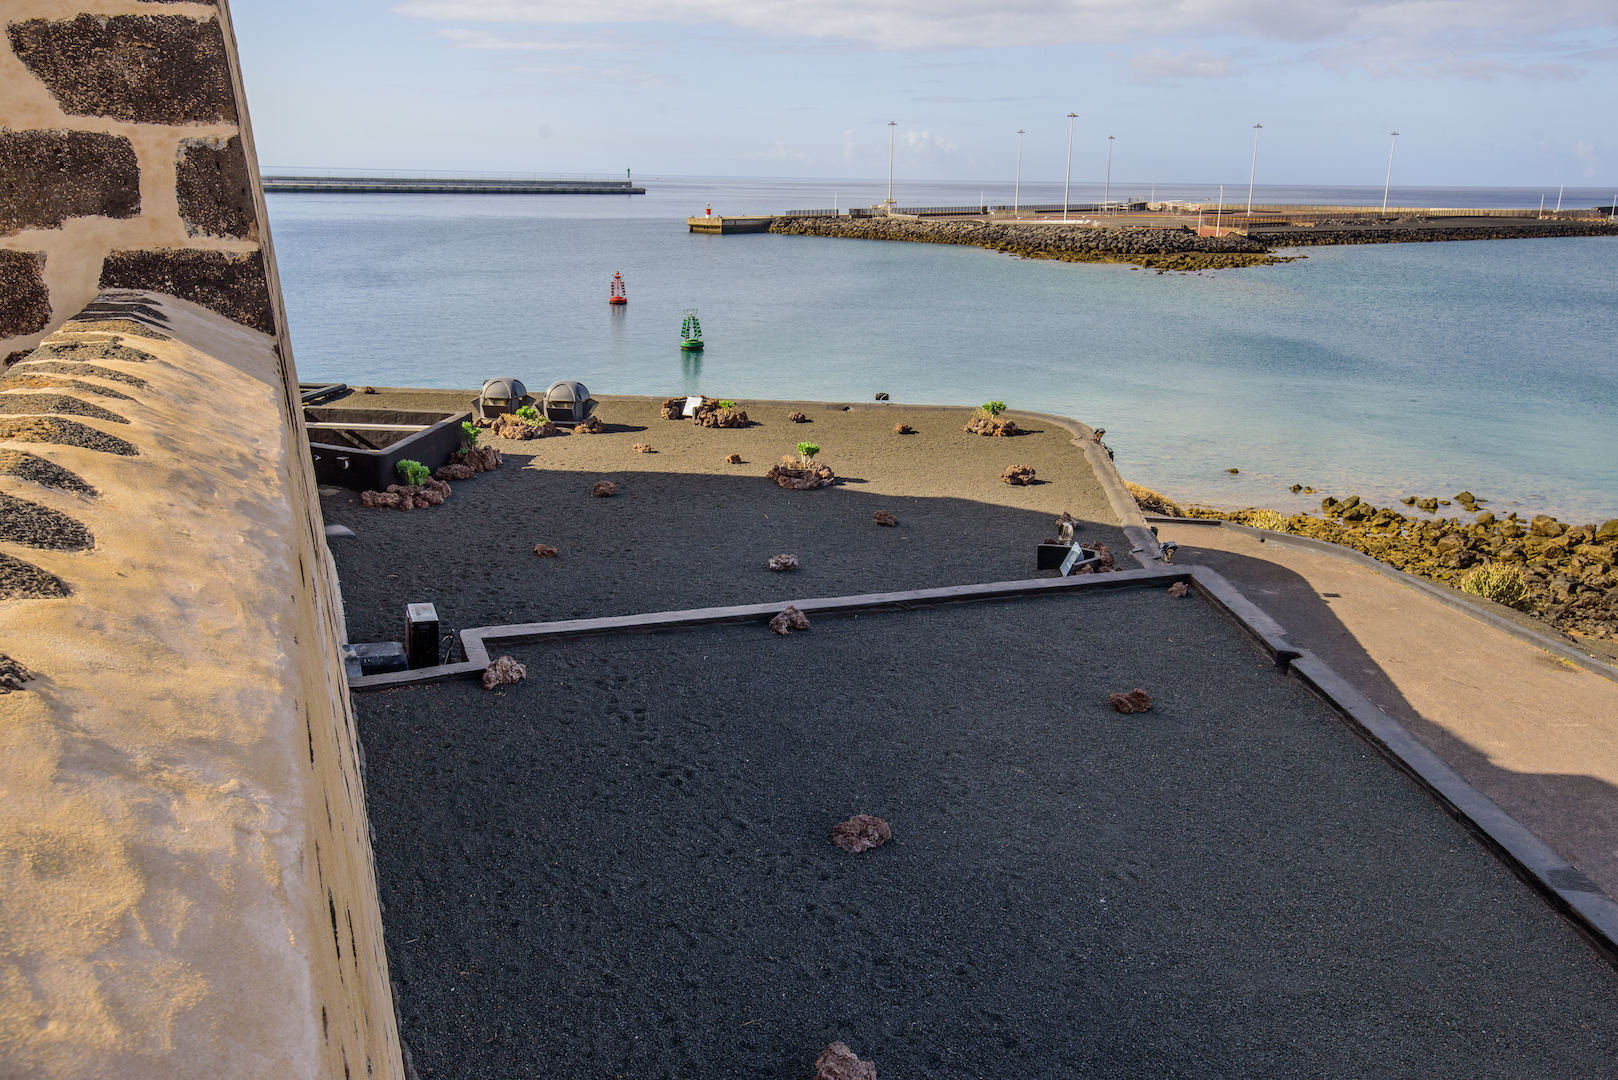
{"x": 186, "y": 883}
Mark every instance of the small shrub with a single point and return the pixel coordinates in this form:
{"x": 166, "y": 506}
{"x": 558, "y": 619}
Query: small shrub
{"x": 991, "y": 409}
{"x": 1267, "y": 519}
{"x": 529, "y": 415}
{"x": 414, "y": 472}
{"x": 470, "y": 433}
{"x": 807, "y": 451}
{"x": 1502, "y": 584}
{"x": 725, "y": 403}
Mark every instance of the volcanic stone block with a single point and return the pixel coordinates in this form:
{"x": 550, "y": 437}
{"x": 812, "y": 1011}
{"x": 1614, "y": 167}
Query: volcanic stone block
{"x": 152, "y": 69}
{"x": 25, "y": 302}
{"x": 215, "y": 188}
{"x": 232, "y": 284}
{"x": 47, "y": 177}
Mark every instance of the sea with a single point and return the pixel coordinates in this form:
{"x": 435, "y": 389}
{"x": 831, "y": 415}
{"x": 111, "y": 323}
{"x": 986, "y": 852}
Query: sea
{"x": 1386, "y": 371}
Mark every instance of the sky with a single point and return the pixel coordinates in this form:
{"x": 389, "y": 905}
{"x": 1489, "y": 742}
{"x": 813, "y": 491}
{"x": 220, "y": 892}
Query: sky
{"x": 1481, "y": 92}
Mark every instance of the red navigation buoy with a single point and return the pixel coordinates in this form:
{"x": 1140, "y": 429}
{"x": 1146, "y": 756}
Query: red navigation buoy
{"x": 617, "y": 294}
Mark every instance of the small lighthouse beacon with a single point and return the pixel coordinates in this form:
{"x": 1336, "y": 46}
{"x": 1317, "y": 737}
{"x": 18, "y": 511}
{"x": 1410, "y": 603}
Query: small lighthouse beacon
{"x": 616, "y": 293}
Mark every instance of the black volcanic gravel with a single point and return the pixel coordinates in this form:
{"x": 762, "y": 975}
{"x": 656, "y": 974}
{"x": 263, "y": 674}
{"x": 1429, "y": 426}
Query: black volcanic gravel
{"x": 622, "y": 866}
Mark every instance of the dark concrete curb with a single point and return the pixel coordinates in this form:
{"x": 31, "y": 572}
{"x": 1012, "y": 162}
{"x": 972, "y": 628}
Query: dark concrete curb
{"x": 1566, "y": 649}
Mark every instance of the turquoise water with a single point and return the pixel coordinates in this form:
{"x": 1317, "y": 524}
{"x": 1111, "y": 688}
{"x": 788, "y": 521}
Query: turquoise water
{"x": 1381, "y": 370}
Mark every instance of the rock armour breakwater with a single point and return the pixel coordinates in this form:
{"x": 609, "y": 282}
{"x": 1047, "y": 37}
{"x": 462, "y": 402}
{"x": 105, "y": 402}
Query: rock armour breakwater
{"x": 1164, "y": 250}
{"x": 1155, "y": 249}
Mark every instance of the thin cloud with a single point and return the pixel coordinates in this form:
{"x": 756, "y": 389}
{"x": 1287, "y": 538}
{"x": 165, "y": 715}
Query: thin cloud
{"x": 1160, "y": 65}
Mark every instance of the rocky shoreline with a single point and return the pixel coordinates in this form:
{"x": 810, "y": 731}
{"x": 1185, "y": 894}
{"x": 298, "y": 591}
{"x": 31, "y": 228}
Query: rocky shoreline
{"x": 1164, "y": 250}
{"x": 1559, "y": 573}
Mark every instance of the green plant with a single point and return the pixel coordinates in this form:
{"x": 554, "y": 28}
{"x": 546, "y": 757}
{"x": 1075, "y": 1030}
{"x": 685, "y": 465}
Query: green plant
{"x": 414, "y": 472}
{"x": 991, "y": 409}
{"x": 807, "y": 451}
{"x": 1502, "y": 584}
{"x": 1267, "y": 519}
{"x": 529, "y": 415}
{"x": 470, "y": 432}
{"x": 725, "y": 403}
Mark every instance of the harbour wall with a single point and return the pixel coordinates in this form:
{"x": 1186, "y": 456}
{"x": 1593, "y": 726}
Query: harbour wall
{"x": 185, "y": 861}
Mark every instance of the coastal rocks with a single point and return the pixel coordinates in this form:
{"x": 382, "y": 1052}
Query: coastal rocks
{"x": 882, "y": 517}
{"x": 988, "y": 425}
{"x": 1153, "y": 502}
{"x": 1018, "y": 475}
{"x": 1179, "y": 589}
{"x": 797, "y": 418}
{"x": 1541, "y": 525}
{"x": 862, "y": 832}
{"x": 711, "y": 414}
{"x": 545, "y": 551}
{"x": 781, "y": 563}
{"x": 800, "y": 477}
{"x": 643, "y": 448}
{"x": 1136, "y": 701}
{"x": 502, "y": 672}
{"x": 454, "y": 472}
{"x": 674, "y": 408}
{"x": 405, "y": 497}
{"x": 482, "y": 459}
{"x": 903, "y": 429}
{"x": 604, "y": 489}
{"x": 733, "y": 459}
{"x": 789, "y": 620}
{"x": 838, "y": 1062}
{"x": 589, "y": 426}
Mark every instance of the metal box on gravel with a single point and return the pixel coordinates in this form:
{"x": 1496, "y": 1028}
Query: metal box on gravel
{"x": 360, "y": 449}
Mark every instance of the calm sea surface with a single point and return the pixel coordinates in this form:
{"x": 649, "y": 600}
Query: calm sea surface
{"x": 1380, "y": 370}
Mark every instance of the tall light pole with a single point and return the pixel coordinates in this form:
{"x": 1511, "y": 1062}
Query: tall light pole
{"x": 1106, "y": 196}
{"x": 1066, "y": 179}
{"x": 1016, "y": 192}
{"x": 1254, "y": 171}
{"x": 1389, "y": 181}
{"x": 892, "y": 124}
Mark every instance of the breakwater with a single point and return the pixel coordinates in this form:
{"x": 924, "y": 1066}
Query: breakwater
{"x": 1156, "y": 249}
{"x": 1179, "y": 249}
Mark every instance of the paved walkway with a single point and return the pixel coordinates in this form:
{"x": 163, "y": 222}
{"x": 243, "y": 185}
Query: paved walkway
{"x": 1536, "y": 734}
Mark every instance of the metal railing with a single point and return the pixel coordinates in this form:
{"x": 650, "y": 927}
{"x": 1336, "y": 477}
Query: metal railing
{"x": 810, "y": 213}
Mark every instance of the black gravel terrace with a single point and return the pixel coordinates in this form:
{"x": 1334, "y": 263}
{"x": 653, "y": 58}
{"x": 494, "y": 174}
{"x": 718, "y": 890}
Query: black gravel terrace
{"x": 621, "y": 867}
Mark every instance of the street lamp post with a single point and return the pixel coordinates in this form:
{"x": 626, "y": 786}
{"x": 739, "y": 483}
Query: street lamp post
{"x": 1388, "y": 182}
{"x": 1106, "y": 192}
{"x": 1068, "y": 178}
{"x": 1254, "y": 171}
{"x": 1016, "y": 191}
{"x": 892, "y": 124}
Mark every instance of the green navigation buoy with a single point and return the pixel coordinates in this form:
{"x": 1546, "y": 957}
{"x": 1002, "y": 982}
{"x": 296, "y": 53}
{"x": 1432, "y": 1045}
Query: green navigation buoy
{"x": 690, "y": 332}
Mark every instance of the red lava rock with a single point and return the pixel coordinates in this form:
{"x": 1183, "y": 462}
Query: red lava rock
{"x": 674, "y": 408}
{"x": 733, "y": 459}
{"x": 376, "y": 500}
{"x": 882, "y": 517}
{"x": 789, "y": 620}
{"x": 502, "y": 671}
{"x": 1179, "y": 588}
{"x": 903, "y": 429}
{"x": 643, "y": 448}
{"x": 604, "y": 489}
{"x": 511, "y": 426}
{"x": 368, "y": 390}
{"x": 709, "y": 414}
{"x": 1018, "y": 475}
{"x": 1107, "y": 561}
{"x": 988, "y": 425}
{"x": 1137, "y": 700}
{"x": 800, "y": 477}
{"x": 862, "y": 832}
{"x": 590, "y": 426}
{"x": 837, "y": 1062}
{"x": 545, "y": 551}
{"x": 454, "y": 472}
{"x": 400, "y": 497}
{"x": 483, "y": 459}
{"x": 784, "y": 562}
{"x": 797, "y": 418}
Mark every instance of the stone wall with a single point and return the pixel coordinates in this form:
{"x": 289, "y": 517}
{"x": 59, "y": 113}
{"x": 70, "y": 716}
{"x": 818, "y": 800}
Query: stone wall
{"x": 185, "y": 863}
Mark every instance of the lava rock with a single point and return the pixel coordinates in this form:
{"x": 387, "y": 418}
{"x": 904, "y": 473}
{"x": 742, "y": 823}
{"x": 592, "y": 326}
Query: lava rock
{"x": 837, "y": 1062}
{"x": 12, "y": 674}
{"x": 590, "y": 426}
{"x": 503, "y": 671}
{"x": 783, "y": 562}
{"x": 882, "y": 517}
{"x": 545, "y": 551}
{"x": 800, "y": 477}
{"x": 604, "y": 489}
{"x": 709, "y": 414}
{"x": 988, "y": 425}
{"x": 862, "y": 832}
{"x": 733, "y": 459}
{"x": 1137, "y": 700}
{"x": 789, "y": 620}
{"x": 1179, "y": 588}
{"x": 903, "y": 429}
{"x": 454, "y": 472}
{"x": 643, "y": 448}
{"x": 1018, "y": 475}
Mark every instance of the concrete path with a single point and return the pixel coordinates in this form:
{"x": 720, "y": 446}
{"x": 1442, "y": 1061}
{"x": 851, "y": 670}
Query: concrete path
{"x": 1536, "y": 734}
